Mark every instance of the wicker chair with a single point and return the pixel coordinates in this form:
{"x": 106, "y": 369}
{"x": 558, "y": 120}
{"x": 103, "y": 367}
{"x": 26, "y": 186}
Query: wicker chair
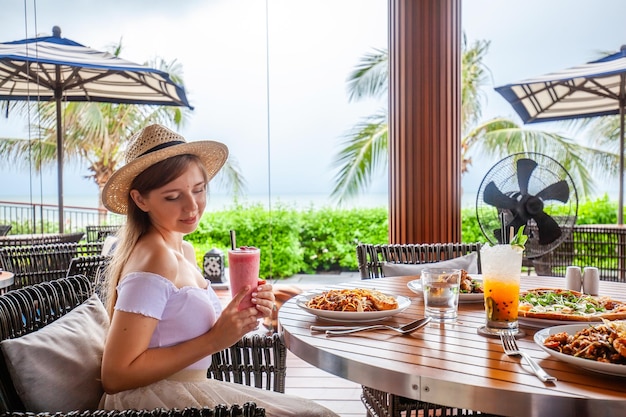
{"x": 99, "y": 233}
{"x": 35, "y": 239}
{"x": 370, "y": 260}
{"x": 93, "y": 267}
{"x": 372, "y": 257}
{"x": 247, "y": 410}
{"x": 29, "y": 309}
{"x": 39, "y": 263}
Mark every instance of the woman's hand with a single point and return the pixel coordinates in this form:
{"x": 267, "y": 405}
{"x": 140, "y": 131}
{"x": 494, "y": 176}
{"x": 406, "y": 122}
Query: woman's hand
{"x": 264, "y": 298}
{"x": 233, "y": 324}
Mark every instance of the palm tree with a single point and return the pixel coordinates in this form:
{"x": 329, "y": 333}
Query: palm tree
{"x": 98, "y": 132}
{"x": 364, "y": 152}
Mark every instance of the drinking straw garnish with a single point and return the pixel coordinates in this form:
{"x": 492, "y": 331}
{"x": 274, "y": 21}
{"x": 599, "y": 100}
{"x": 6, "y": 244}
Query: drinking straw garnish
{"x": 233, "y": 240}
{"x": 502, "y": 228}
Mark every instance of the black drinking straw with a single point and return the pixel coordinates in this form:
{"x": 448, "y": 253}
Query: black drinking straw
{"x": 233, "y": 240}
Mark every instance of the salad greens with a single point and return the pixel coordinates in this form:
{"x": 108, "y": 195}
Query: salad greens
{"x": 551, "y": 301}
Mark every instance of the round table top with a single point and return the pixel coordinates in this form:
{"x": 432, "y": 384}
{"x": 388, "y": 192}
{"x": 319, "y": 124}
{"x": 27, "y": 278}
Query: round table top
{"x": 452, "y": 364}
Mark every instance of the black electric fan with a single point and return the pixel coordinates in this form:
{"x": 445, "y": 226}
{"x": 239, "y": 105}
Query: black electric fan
{"x": 532, "y": 190}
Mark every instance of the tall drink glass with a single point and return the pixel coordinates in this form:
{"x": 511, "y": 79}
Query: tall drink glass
{"x": 243, "y": 269}
{"x": 501, "y": 269}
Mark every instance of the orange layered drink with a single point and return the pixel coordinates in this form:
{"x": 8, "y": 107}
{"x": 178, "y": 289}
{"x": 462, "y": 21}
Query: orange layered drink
{"x": 501, "y": 268}
{"x": 501, "y": 300}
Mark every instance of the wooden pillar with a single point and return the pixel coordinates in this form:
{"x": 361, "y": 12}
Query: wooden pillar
{"x": 424, "y": 121}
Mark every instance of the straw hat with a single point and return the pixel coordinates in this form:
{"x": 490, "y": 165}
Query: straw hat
{"x": 150, "y": 145}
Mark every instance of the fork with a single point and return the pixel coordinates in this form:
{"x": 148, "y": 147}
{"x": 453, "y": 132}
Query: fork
{"x": 509, "y": 344}
{"x": 340, "y": 330}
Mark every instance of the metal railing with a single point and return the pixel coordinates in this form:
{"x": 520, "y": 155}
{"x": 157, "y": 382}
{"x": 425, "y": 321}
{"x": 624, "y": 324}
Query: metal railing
{"x": 44, "y": 218}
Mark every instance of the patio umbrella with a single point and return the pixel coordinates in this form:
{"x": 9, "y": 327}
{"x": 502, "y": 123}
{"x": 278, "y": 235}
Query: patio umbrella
{"x": 59, "y": 69}
{"x": 597, "y": 88}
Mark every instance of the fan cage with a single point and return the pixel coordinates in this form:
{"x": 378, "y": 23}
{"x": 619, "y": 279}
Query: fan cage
{"x": 504, "y": 175}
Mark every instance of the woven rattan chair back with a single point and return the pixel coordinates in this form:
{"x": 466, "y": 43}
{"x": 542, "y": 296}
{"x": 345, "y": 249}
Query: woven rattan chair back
{"x": 257, "y": 360}
{"x": 99, "y": 233}
{"x": 28, "y": 310}
{"x": 371, "y": 257}
{"x": 29, "y": 240}
{"x": 93, "y": 267}
{"x": 40, "y": 263}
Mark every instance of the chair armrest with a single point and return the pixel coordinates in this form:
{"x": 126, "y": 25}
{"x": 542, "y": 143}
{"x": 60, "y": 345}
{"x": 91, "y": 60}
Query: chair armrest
{"x": 249, "y": 409}
{"x": 257, "y": 360}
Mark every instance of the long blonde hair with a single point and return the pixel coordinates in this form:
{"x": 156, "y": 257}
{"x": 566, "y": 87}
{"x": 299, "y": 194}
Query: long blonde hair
{"x": 138, "y": 222}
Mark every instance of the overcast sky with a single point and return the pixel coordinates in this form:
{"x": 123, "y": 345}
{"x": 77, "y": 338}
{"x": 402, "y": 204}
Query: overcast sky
{"x": 313, "y": 46}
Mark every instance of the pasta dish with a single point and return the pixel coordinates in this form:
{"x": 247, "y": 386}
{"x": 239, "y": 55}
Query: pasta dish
{"x": 356, "y": 300}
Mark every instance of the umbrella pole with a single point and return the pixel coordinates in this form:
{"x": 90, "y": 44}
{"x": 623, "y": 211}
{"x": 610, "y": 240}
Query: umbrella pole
{"x": 620, "y": 208}
{"x": 59, "y": 160}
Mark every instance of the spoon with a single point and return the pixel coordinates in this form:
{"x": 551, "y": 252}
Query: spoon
{"x": 405, "y": 329}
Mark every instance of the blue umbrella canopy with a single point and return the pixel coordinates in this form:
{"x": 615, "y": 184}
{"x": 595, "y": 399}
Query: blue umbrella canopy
{"x": 597, "y": 88}
{"x": 55, "y": 68}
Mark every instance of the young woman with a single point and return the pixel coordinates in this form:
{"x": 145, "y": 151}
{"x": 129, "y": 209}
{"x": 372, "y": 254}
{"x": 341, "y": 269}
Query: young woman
{"x": 166, "y": 321}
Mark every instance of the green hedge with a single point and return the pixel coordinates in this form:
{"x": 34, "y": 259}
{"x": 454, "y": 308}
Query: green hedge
{"x": 316, "y": 240}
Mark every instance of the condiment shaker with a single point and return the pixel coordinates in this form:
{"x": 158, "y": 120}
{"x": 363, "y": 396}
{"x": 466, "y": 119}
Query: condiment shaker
{"x": 591, "y": 280}
{"x": 573, "y": 278}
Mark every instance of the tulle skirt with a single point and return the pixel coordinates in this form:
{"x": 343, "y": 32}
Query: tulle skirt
{"x": 194, "y": 389}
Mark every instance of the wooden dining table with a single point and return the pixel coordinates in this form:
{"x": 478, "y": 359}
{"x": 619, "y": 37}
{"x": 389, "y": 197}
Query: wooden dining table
{"x": 451, "y": 364}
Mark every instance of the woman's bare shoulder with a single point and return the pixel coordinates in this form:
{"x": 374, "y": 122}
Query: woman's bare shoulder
{"x": 189, "y": 250}
{"x": 152, "y": 256}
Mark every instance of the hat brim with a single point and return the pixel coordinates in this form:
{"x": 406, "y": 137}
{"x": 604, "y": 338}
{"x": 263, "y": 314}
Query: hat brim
{"x": 115, "y": 193}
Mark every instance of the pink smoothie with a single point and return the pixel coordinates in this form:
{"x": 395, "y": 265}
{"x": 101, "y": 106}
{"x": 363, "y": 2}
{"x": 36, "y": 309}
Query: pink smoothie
{"x": 243, "y": 268}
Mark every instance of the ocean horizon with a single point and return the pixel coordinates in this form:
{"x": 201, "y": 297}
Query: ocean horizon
{"x": 219, "y": 202}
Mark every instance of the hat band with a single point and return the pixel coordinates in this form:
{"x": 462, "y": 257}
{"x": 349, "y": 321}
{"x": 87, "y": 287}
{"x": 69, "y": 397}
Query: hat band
{"x": 162, "y": 146}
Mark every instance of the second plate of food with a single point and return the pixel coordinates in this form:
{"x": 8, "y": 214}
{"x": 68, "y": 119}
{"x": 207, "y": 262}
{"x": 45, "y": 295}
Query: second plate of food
{"x": 618, "y": 369}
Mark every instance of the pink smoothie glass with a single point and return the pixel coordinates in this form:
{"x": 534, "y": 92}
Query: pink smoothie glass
{"x": 243, "y": 267}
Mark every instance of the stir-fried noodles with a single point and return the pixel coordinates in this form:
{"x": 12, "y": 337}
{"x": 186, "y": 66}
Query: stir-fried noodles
{"x": 358, "y": 300}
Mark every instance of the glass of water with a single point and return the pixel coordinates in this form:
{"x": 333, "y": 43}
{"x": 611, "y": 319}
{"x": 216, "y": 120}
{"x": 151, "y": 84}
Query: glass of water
{"x": 441, "y": 293}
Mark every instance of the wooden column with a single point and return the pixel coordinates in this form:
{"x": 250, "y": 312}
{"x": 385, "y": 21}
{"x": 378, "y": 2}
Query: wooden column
{"x": 424, "y": 121}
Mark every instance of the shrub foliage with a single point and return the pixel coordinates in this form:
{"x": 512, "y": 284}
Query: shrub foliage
{"x": 316, "y": 240}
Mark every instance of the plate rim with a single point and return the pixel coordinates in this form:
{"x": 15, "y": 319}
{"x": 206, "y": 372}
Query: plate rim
{"x": 541, "y": 323}
{"x": 404, "y": 302}
{"x": 594, "y": 366}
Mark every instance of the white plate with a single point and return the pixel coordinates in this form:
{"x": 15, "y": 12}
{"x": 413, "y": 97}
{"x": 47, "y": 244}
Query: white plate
{"x": 416, "y": 287}
{"x": 543, "y": 323}
{"x": 605, "y": 368}
{"x": 350, "y": 316}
